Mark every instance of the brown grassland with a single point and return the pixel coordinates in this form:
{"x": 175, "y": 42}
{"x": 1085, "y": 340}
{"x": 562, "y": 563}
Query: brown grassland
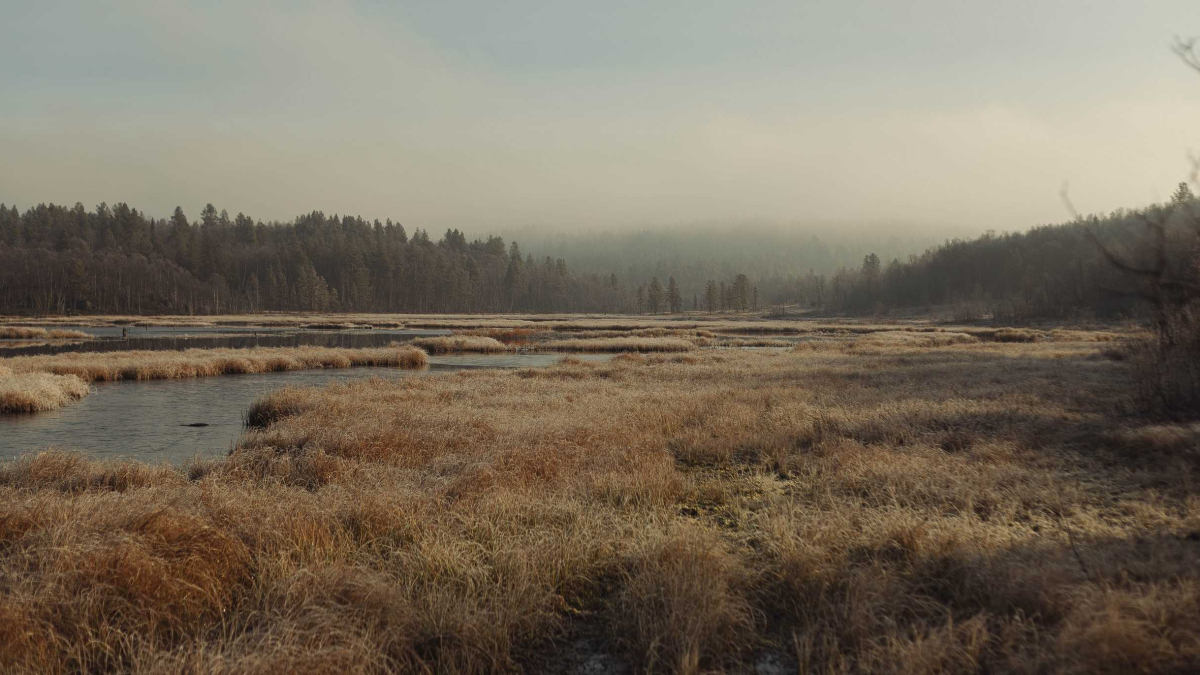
{"x": 890, "y": 502}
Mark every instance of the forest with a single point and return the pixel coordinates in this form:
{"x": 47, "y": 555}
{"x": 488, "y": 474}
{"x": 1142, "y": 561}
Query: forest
{"x": 116, "y": 259}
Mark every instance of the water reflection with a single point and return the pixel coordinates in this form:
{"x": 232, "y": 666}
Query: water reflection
{"x": 148, "y": 420}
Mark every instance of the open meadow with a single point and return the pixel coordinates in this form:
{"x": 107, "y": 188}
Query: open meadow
{"x": 877, "y": 500}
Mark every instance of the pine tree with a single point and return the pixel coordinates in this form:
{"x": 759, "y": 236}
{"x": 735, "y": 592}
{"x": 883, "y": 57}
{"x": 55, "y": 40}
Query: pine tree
{"x": 1183, "y": 194}
{"x": 654, "y": 296}
{"x": 674, "y": 299}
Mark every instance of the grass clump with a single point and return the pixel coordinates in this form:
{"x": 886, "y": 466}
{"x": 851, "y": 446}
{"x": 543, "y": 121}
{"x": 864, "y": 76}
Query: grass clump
{"x": 38, "y": 392}
{"x": 478, "y": 344}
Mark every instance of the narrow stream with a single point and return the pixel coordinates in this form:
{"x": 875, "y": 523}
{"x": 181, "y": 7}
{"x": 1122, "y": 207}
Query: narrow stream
{"x": 147, "y": 420}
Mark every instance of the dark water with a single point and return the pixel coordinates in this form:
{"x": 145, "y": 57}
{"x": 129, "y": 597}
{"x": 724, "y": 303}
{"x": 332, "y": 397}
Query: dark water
{"x": 108, "y": 339}
{"x": 145, "y": 420}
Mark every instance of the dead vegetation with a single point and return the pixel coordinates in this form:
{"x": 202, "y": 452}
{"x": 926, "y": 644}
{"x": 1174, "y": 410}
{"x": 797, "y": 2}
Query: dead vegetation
{"x": 619, "y": 344}
{"x": 38, "y": 392}
{"x": 905, "y": 503}
{"x": 160, "y": 365}
{"x": 460, "y": 343}
{"x": 28, "y": 333}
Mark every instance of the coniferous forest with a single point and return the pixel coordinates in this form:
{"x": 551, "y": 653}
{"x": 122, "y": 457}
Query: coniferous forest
{"x": 119, "y": 260}
{"x": 55, "y": 259}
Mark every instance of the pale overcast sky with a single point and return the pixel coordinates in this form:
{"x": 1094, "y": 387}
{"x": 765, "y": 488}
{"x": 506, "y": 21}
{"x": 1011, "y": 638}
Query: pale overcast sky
{"x": 599, "y": 114}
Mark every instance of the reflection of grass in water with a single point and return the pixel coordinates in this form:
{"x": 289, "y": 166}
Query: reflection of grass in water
{"x": 883, "y": 503}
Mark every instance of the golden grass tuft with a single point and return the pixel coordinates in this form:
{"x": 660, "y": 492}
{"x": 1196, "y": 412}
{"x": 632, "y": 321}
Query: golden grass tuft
{"x": 461, "y": 343}
{"x": 38, "y": 392}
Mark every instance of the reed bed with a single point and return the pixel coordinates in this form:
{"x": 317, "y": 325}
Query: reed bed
{"x": 461, "y": 343}
{"x": 964, "y": 507}
{"x": 28, "y": 333}
{"x": 38, "y": 392}
{"x": 160, "y": 365}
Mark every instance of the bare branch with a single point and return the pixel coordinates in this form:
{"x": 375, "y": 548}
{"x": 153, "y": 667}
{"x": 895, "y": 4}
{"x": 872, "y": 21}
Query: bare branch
{"x": 1188, "y": 50}
{"x": 1064, "y": 195}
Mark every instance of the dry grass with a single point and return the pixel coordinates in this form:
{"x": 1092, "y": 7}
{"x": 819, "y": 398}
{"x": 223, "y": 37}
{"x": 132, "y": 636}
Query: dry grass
{"x": 753, "y": 342}
{"x": 159, "y": 365}
{"x": 509, "y": 336}
{"x": 885, "y": 505}
{"x": 27, "y": 333}
{"x": 460, "y": 343}
{"x": 619, "y": 344}
{"x": 37, "y": 392}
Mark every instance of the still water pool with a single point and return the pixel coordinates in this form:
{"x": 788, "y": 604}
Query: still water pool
{"x": 148, "y": 420}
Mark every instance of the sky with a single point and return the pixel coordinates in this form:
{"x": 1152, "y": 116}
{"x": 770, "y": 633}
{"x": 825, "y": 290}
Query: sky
{"x": 600, "y": 115}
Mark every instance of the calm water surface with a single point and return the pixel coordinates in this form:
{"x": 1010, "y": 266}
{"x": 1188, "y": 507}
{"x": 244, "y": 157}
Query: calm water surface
{"x": 146, "y": 420}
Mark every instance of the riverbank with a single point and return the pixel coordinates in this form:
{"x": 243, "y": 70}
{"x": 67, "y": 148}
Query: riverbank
{"x": 42, "y": 383}
{"x": 887, "y": 503}
{"x": 164, "y": 365}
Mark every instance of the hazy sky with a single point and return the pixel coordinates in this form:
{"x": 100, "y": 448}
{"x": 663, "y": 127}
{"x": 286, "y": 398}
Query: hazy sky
{"x": 503, "y": 114}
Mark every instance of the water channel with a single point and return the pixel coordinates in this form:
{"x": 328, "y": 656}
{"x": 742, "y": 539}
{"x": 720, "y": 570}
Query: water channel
{"x": 149, "y": 420}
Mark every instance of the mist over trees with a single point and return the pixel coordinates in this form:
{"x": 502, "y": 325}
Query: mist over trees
{"x": 1049, "y": 272}
{"x": 773, "y": 255}
{"x": 55, "y": 259}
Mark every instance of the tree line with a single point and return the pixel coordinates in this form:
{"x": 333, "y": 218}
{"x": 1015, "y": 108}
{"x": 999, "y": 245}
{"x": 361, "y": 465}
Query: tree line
{"x": 117, "y": 260}
{"x": 1049, "y": 272}
{"x": 55, "y": 259}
